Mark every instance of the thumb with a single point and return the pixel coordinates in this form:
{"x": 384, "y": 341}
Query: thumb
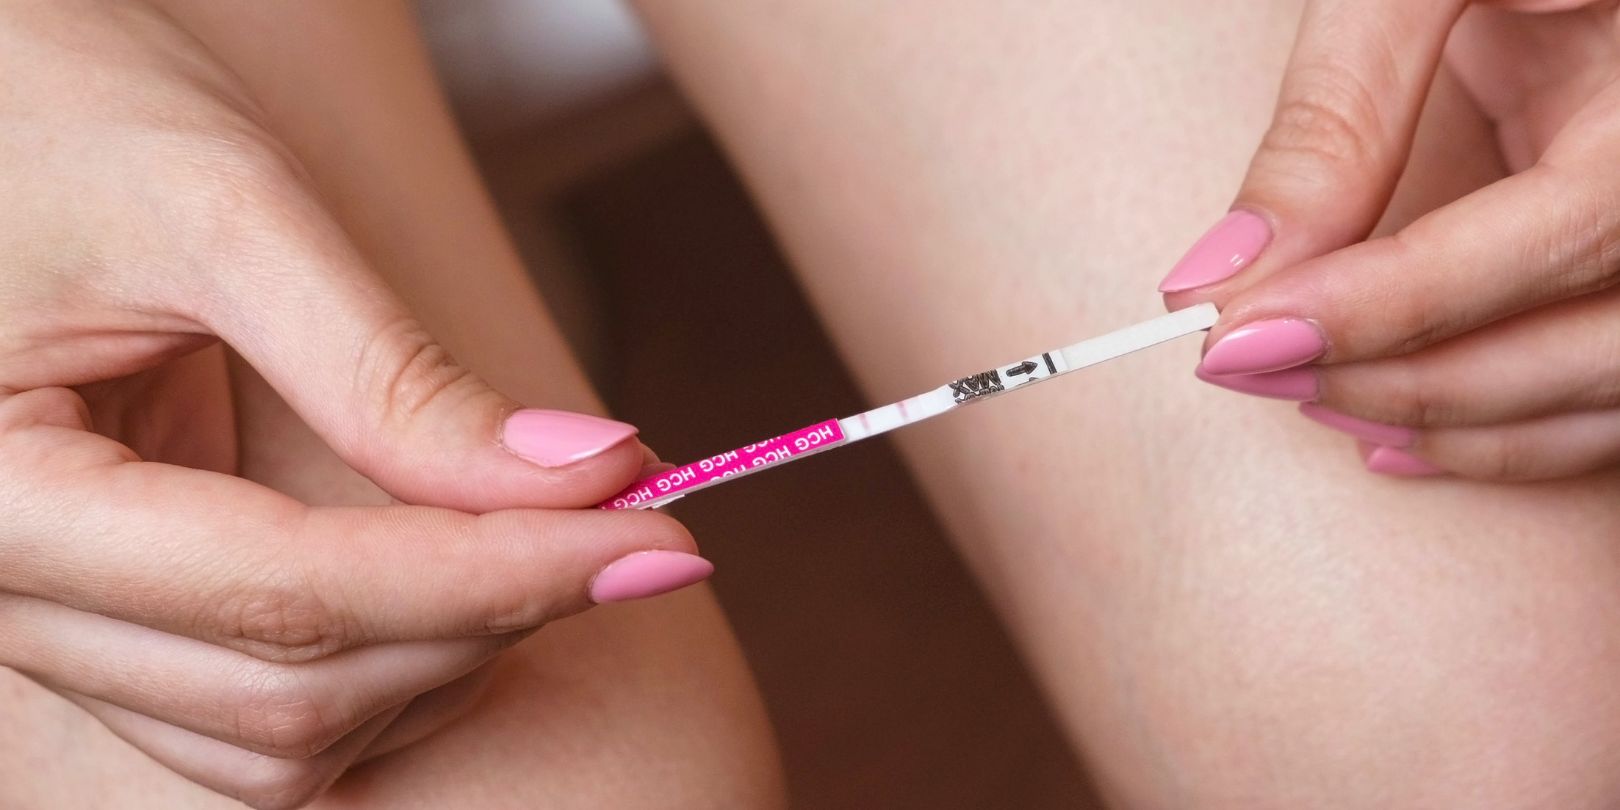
{"x": 309, "y": 315}
{"x": 1338, "y": 141}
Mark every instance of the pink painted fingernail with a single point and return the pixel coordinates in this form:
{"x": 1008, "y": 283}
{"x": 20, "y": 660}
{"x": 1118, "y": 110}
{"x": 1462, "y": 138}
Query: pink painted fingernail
{"x": 1270, "y": 345}
{"x": 1397, "y": 462}
{"x": 1386, "y": 435}
{"x": 1230, "y": 246}
{"x": 1297, "y": 384}
{"x": 560, "y": 438}
{"x": 648, "y": 573}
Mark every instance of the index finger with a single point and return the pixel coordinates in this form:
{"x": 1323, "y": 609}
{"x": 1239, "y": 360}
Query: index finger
{"x": 1544, "y": 235}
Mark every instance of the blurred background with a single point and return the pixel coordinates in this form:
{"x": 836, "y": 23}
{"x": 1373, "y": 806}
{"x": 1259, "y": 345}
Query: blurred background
{"x": 888, "y": 679}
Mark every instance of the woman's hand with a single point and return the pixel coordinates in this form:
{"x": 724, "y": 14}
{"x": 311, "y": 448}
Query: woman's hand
{"x": 1481, "y": 340}
{"x": 248, "y": 641}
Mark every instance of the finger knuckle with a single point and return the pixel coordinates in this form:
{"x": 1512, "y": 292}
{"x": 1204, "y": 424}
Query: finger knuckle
{"x": 410, "y": 372}
{"x": 231, "y": 174}
{"x": 1331, "y": 122}
{"x": 276, "y": 712}
{"x": 1417, "y": 401}
{"x": 268, "y": 783}
{"x": 1409, "y": 322}
{"x": 509, "y": 599}
{"x": 1603, "y": 375}
{"x": 513, "y": 607}
{"x": 282, "y": 618}
{"x": 1508, "y": 458}
{"x": 1604, "y": 393}
{"x": 1585, "y": 244}
{"x": 41, "y": 406}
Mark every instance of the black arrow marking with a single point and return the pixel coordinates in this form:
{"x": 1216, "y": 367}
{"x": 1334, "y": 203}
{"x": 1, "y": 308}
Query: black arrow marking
{"x": 1022, "y": 368}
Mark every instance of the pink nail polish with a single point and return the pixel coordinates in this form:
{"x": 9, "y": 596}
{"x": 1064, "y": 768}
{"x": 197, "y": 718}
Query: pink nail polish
{"x": 1296, "y": 384}
{"x": 1397, "y": 462}
{"x": 560, "y": 438}
{"x": 648, "y": 573}
{"x": 1231, "y": 245}
{"x": 1386, "y": 435}
{"x": 1269, "y": 345}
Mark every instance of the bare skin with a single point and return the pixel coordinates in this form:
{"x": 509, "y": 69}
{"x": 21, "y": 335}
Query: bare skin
{"x": 1226, "y": 609}
{"x": 582, "y": 714}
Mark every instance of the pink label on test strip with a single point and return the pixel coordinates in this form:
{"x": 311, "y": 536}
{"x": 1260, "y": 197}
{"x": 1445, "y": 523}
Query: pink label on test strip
{"x": 746, "y": 459}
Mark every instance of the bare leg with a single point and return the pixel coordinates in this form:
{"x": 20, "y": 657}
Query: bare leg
{"x": 644, "y": 705}
{"x": 1226, "y": 610}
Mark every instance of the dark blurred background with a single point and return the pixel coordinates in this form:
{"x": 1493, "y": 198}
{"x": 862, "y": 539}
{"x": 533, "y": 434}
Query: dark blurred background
{"x": 888, "y": 678}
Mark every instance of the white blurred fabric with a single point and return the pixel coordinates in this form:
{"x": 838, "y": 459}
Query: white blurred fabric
{"x": 515, "y": 64}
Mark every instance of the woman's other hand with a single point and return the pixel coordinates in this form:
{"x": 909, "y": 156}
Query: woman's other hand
{"x": 1483, "y": 339}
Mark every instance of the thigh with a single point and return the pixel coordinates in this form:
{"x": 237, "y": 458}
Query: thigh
{"x": 1225, "y": 609}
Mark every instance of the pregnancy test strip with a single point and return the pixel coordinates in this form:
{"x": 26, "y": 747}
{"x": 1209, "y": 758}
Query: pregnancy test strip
{"x": 671, "y": 485}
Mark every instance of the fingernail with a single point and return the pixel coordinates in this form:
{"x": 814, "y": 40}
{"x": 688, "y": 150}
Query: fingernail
{"x": 560, "y": 438}
{"x": 648, "y": 573}
{"x": 1386, "y": 435}
{"x": 1230, "y": 246}
{"x": 1397, "y": 462}
{"x": 1297, "y": 384}
{"x": 1270, "y": 345}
